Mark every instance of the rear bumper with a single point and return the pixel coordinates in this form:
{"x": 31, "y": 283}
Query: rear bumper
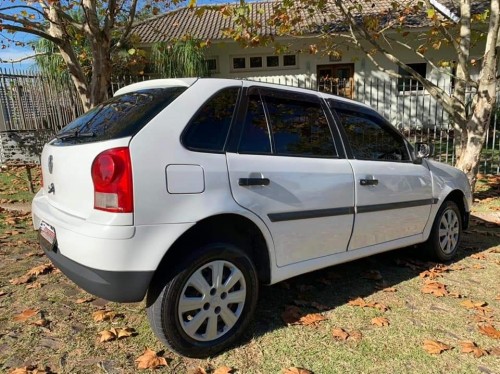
{"x": 119, "y": 286}
{"x": 112, "y": 262}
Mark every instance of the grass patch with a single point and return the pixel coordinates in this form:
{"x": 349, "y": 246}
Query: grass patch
{"x": 70, "y": 341}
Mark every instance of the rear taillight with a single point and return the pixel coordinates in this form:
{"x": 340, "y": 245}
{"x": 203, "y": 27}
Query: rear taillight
{"x": 112, "y": 177}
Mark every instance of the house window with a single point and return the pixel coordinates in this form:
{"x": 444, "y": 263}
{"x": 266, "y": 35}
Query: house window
{"x": 255, "y": 62}
{"x": 239, "y": 63}
{"x": 272, "y": 61}
{"x": 289, "y": 60}
{"x": 249, "y": 63}
{"x": 407, "y": 82}
{"x": 212, "y": 64}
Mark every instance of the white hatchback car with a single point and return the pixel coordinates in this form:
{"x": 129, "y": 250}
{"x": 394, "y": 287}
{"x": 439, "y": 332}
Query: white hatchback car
{"x": 194, "y": 191}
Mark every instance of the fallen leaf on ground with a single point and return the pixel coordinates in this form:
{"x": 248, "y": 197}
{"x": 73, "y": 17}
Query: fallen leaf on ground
{"x": 291, "y": 314}
{"x": 3, "y": 293}
{"x": 340, "y": 334}
{"x": 41, "y": 269}
{"x": 104, "y": 315}
{"x": 478, "y": 256}
{"x": 84, "y": 300}
{"x": 435, "y": 288}
{"x": 389, "y": 289}
{"x": 489, "y": 330}
{"x": 21, "y": 280}
{"x": 25, "y": 315}
{"x": 223, "y": 370}
{"x": 115, "y": 333}
{"x": 471, "y": 347}
{"x": 457, "y": 267}
{"x": 435, "y": 347}
{"x": 150, "y": 360}
{"x": 30, "y": 370}
{"x": 295, "y": 370}
{"x": 311, "y": 319}
{"x": 456, "y": 295}
{"x": 477, "y": 266}
{"x": 34, "y": 286}
{"x": 368, "y": 304}
{"x": 41, "y": 322}
{"x": 198, "y": 370}
{"x": 380, "y": 321}
{"x": 469, "y": 304}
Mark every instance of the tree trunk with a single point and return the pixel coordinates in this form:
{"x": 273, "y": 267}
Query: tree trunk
{"x": 477, "y": 128}
{"x": 485, "y": 101}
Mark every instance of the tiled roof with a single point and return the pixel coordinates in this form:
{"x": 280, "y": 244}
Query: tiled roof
{"x": 209, "y": 24}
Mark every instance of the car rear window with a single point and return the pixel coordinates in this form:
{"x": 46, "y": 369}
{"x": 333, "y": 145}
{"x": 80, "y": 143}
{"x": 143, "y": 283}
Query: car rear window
{"x": 119, "y": 117}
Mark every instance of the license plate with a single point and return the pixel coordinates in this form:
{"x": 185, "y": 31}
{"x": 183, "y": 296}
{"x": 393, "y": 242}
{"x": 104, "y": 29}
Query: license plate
{"x": 47, "y": 232}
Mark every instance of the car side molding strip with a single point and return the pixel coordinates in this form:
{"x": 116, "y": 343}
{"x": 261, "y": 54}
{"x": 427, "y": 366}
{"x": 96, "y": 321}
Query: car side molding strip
{"x": 400, "y": 205}
{"x": 331, "y": 212}
{"x": 306, "y": 214}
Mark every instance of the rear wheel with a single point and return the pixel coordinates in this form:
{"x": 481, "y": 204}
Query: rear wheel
{"x": 208, "y": 303}
{"x": 446, "y": 232}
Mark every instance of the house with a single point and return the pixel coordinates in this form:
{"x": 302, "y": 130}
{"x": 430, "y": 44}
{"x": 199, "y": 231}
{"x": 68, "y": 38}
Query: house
{"x": 347, "y": 72}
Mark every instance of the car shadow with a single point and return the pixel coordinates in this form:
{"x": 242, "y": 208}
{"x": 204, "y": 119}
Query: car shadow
{"x": 336, "y": 285}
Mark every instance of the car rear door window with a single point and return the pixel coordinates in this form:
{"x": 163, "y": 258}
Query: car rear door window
{"x": 208, "y": 129}
{"x": 372, "y": 139}
{"x": 297, "y": 123}
{"x": 118, "y": 117}
{"x": 255, "y": 137}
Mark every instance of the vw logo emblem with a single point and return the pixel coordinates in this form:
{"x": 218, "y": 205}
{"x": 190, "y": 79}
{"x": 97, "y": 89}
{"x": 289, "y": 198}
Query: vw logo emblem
{"x": 51, "y": 164}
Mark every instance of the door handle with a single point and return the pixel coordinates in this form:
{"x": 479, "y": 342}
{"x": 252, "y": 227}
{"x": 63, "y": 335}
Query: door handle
{"x": 254, "y": 181}
{"x": 368, "y": 182}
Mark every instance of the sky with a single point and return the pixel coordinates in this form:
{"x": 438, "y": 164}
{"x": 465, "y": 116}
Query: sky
{"x": 13, "y": 52}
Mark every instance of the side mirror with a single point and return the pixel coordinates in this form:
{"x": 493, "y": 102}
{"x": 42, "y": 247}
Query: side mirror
{"x": 423, "y": 150}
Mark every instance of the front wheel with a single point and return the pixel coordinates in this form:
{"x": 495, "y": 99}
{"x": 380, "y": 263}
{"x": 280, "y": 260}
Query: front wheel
{"x": 208, "y": 303}
{"x": 446, "y": 232}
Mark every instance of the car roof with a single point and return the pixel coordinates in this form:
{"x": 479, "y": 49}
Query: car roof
{"x": 187, "y": 82}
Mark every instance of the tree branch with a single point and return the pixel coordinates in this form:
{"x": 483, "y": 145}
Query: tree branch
{"x": 128, "y": 27}
{"x": 24, "y": 7}
{"x": 35, "y": 32}
{"x": 23, "y": 58}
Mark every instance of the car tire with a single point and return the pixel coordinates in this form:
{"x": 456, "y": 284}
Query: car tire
{"x": 191, "y": 313}
{"x": 446, "y": 233}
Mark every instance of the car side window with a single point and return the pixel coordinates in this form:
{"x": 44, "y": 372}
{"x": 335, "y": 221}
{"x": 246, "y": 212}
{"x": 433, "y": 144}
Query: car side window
{"x": 255, "y": 137}
{"x": 299, "y": 127}
{"x": 371, "y": 139}
{"x": 207, "y": 130}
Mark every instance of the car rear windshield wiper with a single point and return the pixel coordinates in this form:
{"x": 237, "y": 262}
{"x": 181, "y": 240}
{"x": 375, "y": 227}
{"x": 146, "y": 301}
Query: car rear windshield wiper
{"x": 75, "y": 134}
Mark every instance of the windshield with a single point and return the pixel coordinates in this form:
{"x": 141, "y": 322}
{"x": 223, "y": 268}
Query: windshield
{"x": 118, "y": 117}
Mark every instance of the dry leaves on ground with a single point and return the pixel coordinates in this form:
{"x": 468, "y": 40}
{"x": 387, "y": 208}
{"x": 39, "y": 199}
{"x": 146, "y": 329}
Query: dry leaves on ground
{"x": 21, "y": 280}
{"x": 435, "y": 347}
{"x": 150, "y": 360}
{"x": 340, "y": 334}
{"x": 25, "y": 315}
{"x": 115, "y": 333}
{"x": 224, "y": 370}
{"x": 30, "y": 370}
{"x": 469, "y": 304}
{"x": 489, "y": 330}
{"x": 311, "y": 319}
{"x": 435, "y": 288}
{"x": 368, "y": 304}
{"x": 105, "y": 315}
{"x": 41, "y": 269}
{"x": 84, "y": 300}
{"x": 294, "y": 370}
{"x": 380, "y": 321}
{"x": 471, "y": 347}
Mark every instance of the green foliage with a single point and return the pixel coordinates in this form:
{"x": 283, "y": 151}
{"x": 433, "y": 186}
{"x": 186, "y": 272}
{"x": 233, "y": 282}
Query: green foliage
{"x": 182, "y": 58}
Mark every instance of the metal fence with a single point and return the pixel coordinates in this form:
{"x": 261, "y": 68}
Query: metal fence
{"x": 30, "y": 101}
